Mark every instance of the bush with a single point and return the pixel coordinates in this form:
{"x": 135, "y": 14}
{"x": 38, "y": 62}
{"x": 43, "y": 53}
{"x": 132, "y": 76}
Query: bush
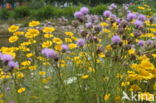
{"x": 21, "y": 12}
{"x": 44, "y": 13}
{"x": 4, "y": 14}
{"x": 98, "y": 9}
{"x": 68, "y": 11}
{"x": 36, "y": 5}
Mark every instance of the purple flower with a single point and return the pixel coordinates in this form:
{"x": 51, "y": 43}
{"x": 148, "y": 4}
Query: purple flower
{"x": 84, "y": 10}
{"x": 89, "y": 25}
{"x": 78, "y": 14}
{"x": 142, "y": 17}
{"x": 118, "y": 20}
{"x": 6, "y": 57}
{"x": 113, "y": 16}
{"x": 13, "y": 64}
{"x": 11, "y": 101}
{"x": 149, "y": 42}
{"x": 141, "y": 43}
{"x": 64, "y": 47}
{"x": 131, "y": 16}
{"x": 107, "y": 13}
{"x": 116, "y": 39}
{"x": 81, "y": 42}
{"x": 112, "y": 6}
{"x": 138, "y": 23}
{"x": 49, "y": 53}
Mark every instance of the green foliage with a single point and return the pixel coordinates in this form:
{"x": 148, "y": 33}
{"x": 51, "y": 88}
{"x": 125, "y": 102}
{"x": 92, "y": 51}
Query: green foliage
{"x": 4, "y": 14}
{"x": 21, "y": 12}
{"x": 36, "y": 5}
{"x": 44, "y": 13}
{"x": 98, "y": 9}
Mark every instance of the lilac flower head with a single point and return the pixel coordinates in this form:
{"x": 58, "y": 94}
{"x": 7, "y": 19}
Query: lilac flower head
{"x": 64, "y": 47}
{"x": 84, "y": 10}
{"x": 107, "y": 13}
{"x": 6, "y": 57}
{"x": 81, "y": 42}
{"x": 138, "y": 23}
{"x": 131, "y": 16}
{"x": 141, "y": 43}
{"x": 116, "y": 39}
{"x": 89, "y": 25}
{"x": 49, "y": 53}
{"x": 11, "y": 101}
{"x": 149, "y": 42}
{"x": 118, "y": 20}
{"x": 78, "y": 14}
{"x": 13, "y": 64}
{"x": 112, "y": 6}
{"x": 142, "y": 17}
{"x": 113, "y": 16}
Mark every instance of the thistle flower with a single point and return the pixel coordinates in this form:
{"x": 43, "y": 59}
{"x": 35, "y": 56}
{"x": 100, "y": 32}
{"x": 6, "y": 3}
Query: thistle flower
{"x": 138, "y": 23}
{"x": 6, "y": 57}
{"x": 131, "y": 16}
{"x": 81, "y": 42}
{"x": 141, "y": 43}
{"x": 49, "y": 53}
{"x": 116, "y": 39}
{"x": 107, "y": 13}
{"x": 118, "y": 20}
{"x": 142, "y": 17}
{"x": 78, "y": 14}
{"x": 64, "y": 47}
{"x": 89, "y": 25}
{"x": 84, "y": 10}
{"x": 149, "y": 42}
{"x": 13, "y": 64}
{"x": 112, "y": 6}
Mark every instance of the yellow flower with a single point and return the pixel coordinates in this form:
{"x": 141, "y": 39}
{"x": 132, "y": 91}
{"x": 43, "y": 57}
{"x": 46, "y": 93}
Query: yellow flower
{"x": 108, "y": 47}
{"x": 13, "y": 39}
{"x": 106, "y": 96}
{"x": 141, "y": 8}
{"x": 154, "y": 55}
{"x": 21, "y": 90}
{"x": 134, "y": 88}
{"x": 18, "y": 33}
{"x": 57, "y": 40}
{"x": 19, "y": 75}
{"x": 106, "y": 30}
{"x": 68, "y": 40}
{"x": 58, "y": 47}
{"x": 46, "y": 44}
{"x": 104, "y": 24}
{"x": 91, "y": 69}
{"x": 48, "y": 35}
{"x": 31, "y": 33}
{"x": 69, "y": 33}
{"x": 72, "y": 46}
{"x": 32, "y": 67}
{"x": 13, "y": 28}
{"x": 85, "y": 76}
{"x": 101, "y": 55}
{"x": 131, "y": 51}
{"x": 117, "y": 98}
{"x": 34, "y": 23}
{"x": 29, "y": 55}
{"x": 25, "y": 63}
{"x": 42, "y": 73}
{"x": 48, "y": 29}
{"x": 123, "y": 84}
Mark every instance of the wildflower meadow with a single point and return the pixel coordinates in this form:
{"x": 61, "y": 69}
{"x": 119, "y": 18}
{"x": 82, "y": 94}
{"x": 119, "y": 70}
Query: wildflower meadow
{"x": 107, "y": 58}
